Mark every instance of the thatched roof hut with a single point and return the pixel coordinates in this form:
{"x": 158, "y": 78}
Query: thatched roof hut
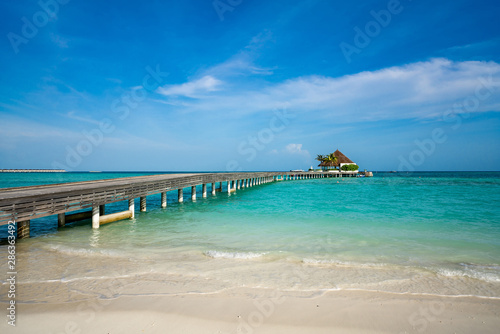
{"x": 341, "y": 159}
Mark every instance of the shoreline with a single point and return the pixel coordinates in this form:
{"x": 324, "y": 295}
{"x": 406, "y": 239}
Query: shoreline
{"x": 263, "y": 311}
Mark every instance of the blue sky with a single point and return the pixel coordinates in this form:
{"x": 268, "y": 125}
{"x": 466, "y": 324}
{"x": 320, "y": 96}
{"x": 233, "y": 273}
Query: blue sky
{"x": 249, "y": 85}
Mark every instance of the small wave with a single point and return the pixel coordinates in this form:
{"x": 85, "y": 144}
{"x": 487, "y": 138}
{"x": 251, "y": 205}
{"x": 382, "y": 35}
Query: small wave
{"x": 483, "y": 276}
{"x": 83, "y": 251}
{"x": 342, "y": 263}
{"x": 233, "y": 255}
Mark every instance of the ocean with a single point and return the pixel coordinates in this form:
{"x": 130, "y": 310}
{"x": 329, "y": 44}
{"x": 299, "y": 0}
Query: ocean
{"x": 434, "y": 233}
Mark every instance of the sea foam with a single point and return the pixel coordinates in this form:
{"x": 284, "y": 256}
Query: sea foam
{"x": 233, "y": 255}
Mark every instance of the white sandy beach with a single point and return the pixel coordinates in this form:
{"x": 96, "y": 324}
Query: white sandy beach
{"x": 263, "y": 311}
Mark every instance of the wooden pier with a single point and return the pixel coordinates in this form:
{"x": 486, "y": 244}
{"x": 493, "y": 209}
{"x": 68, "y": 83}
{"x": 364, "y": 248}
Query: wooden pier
{"x": 22, "y": 204}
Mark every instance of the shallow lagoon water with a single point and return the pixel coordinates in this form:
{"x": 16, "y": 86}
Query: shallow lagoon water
{"x": 427, "y": 233}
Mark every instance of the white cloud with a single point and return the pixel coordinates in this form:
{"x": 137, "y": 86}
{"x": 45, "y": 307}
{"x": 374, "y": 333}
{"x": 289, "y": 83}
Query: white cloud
{"x": 59, "y": 41}
{"x": 418, "y": 90}
{"x": 296, "y": 149}
{"x": 194, "y": 88}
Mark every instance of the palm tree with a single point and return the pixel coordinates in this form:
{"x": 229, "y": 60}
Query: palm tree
{"x": 331, "y": 158}
{"x": 320, "y": 158}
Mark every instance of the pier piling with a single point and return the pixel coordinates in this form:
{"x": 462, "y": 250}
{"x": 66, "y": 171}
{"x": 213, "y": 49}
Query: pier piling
{"x": 164, "y": 199}
{"x": 95, "y": 217}
{"x": 23, "y": 229}
{"x": 193, "y": 193}
{"x": 142, "y": 204}
{"x": 131, "y": 207}
{"x": 61, "y": 219}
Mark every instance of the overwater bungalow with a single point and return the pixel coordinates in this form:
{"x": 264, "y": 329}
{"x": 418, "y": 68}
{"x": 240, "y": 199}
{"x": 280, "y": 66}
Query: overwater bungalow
{"x": 333, "y": 163}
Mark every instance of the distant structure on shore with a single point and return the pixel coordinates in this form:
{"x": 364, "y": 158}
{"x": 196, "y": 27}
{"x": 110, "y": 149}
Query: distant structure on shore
{"x": 32, "y": 171}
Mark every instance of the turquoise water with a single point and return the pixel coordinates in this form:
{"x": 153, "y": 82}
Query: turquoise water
{"x": 421, "y": 233}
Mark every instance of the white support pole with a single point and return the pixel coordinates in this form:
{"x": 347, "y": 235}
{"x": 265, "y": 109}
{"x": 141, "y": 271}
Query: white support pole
{"x": 238, "y": 184}
{"x": 204, "y": 190}
{"x": 142, "y": 204}
{"x": 193, "y": 193}
{"x": 61, "y": 219}
{"x": 180, "y": 195}
{"x": 163, "y": 199}
{"x": 131, "y": 206}
{"x": 234, "y": 184}
{"x": 228, "y": 187}
{"x": 213, "y": 188}
{"x": 95, "y": 216}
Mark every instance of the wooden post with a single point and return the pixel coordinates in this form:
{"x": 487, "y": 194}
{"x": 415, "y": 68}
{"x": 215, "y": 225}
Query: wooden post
{"x": 193, "y": 193}
{"x": 143, "y": 203}
{"x": 180, "y": 195}
{"x": 61, "y": 219}
{"x": 23, "y": 229}
{"x": 95, "y": 216}
{"x": 204, "y": 190}
{"x": 164, "y": 200}
{"x": 213, "y": 188}
{"x": 131, "y": 206}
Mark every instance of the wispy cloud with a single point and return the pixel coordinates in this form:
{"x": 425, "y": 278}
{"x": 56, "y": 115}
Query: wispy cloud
{"x": 21, "y": 129}
{"x": 296, "y": 149}
{"x": 419, "y": 90}
{"x": 59, "y": 41}
{"x": 73, "y": 115}
{"x": 193, "y": 89}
